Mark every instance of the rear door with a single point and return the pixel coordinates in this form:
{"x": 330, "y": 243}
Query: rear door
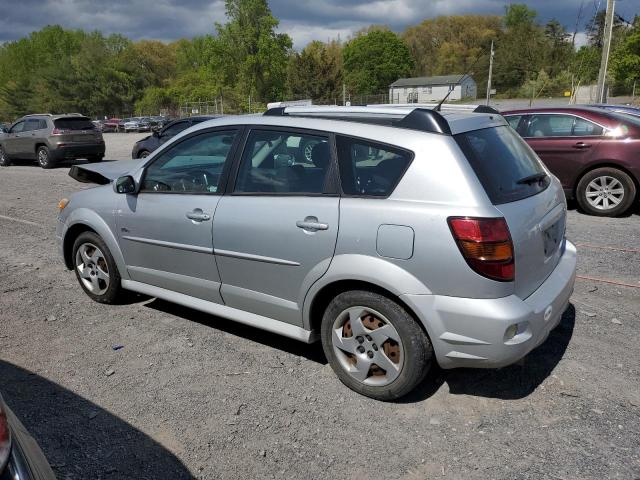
{"x": 531, "y": 201}
{"x": 165, "y": 231}
{"x": 275, "y": 235}
{"x": 563, "y": 142}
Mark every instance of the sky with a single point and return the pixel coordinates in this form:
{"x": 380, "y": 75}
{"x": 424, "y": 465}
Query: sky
{"x": 303, "y": 20}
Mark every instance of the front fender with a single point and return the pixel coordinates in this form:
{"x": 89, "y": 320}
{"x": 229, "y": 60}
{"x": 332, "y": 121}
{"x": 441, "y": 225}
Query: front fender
{"x": 93, "y": 220}
{"x": 374, "y": 270}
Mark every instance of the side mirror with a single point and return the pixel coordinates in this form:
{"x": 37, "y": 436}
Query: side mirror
{"x": 125, "y": 184}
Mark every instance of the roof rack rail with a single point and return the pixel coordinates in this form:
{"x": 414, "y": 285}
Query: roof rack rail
{"x": 411, "y": 116}
{"x": 39, "y": 115}
{"x": 468, "y": 108}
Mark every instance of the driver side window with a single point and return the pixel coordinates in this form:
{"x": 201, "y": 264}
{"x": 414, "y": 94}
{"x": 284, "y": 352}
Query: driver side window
{"x": 193, "y": 165}
{"x": 17, "y": 128}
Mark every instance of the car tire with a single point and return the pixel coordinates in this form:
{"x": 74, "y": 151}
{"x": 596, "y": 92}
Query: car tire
{"x": 5, "y": 161}
{"x": 95, "y": 269}
{"x": 143, "y": 154}
{"x": 606, "y": 192}
{"x": 44, "y": 157}
{"x": 352, "y": 345}
{"x": 95, "y": 159}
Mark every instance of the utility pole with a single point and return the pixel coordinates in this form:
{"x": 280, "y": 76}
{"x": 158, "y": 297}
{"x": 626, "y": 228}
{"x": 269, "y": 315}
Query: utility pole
{"x": 606, "y": 48}
{"x": 490, "y": 74}
{"x": 344, "y": 94}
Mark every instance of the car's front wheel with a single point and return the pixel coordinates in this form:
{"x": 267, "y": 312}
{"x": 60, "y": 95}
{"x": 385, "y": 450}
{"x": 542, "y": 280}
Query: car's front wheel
{"x": 96, "y": 269}
{"x": 44, "y": 157}
{"x": 606, "y": 192}
{"x": 374, "y": 346}
{"x": 4, "y": 158}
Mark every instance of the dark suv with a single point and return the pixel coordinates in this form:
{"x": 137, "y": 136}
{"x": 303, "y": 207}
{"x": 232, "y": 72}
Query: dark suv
{"x": 594, "y": 152}
{"x": 144, "y": 147}
{"x": 50, "y": 138}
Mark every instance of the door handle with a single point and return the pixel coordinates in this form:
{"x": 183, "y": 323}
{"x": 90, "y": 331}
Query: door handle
{"x": 582, "y": 145}
{"x": 312, "y": 224}
{"x": 197, "y": 215}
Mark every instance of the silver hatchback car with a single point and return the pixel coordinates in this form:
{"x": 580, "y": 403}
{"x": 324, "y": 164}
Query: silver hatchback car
{"x": 397, "y": 236}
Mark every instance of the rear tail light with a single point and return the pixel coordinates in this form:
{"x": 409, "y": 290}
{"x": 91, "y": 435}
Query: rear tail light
{"x": 5, "y": 438}
{"x": 60, "y": 131}
{"x": 485, "y": 243}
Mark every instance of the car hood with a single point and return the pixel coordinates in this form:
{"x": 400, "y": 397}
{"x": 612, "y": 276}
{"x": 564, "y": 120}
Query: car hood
{"x": 103, "y": 173}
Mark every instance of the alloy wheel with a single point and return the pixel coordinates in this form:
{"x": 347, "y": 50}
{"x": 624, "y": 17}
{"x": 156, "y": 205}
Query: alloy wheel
{"x": 604, "y": 193}
{"x": 43, "y": 157}
{"x": 92, "y": 268}
{"x": 367, "y": 346}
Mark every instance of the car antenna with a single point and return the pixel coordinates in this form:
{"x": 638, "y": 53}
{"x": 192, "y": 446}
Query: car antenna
{"x": 438, "y": 107}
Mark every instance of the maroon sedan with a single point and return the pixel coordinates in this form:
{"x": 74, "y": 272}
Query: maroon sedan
{"x": 594, "y": 152}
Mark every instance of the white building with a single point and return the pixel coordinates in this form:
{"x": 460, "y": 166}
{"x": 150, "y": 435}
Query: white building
{"x": 432, "y": 89}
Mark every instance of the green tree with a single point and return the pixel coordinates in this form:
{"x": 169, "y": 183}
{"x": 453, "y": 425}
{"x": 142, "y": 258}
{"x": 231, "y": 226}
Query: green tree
{"x": 375, "y": 60}
{"x": 625, "y": 62}
{"x": 251, "y": 54}
{"x": 316, "y": 72}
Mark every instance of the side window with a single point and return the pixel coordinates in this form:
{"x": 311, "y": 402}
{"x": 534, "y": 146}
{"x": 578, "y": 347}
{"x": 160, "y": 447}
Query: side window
{"x": 550, "y": 126}
{"x": 368, "y": 168}
{"x": 585, "y": 128}
{"x": 32, "y": 124}
{"x": 514, "y": 120}
{"x": 192, "y": 166}
{"x": 17, "y": 128}
{"x": 283, "y": 162}
{"x": 42, "y": 124}
{"x": 175, "y": 129}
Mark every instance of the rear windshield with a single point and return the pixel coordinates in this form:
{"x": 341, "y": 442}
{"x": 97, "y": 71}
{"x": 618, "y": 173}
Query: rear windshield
{"x": 505, "y": 165}
{"x": 74, "y": 123}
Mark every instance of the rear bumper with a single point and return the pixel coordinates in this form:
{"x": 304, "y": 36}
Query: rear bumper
{"x": 467, "y": 332}
{"x": 72, "y": 151}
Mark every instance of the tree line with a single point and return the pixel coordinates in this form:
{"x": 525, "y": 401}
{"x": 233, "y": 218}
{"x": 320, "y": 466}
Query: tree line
{"x": 247, "y": 62}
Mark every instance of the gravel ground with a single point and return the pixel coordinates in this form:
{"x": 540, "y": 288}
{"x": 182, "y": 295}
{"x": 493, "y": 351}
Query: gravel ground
{"x": 195, "y": 396}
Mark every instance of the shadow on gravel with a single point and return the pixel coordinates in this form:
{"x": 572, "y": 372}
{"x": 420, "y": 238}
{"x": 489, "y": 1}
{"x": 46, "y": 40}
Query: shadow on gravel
{"x": 311, "y": 352}
{"x": 513, "y": 382}
{"x": 80, "y": 439}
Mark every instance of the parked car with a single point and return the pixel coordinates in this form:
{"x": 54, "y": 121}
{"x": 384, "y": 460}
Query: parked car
{"x": 145, "y": 124}
{"x": 629, "y": 110}
{"x": 132, "y": 124}
{"x": 51, "y": 138}
{"x": 97, "y": 125}
{"x": 594, "y": 152}
{"x": 20, "y": 456}
{"x": 411, "y": 236}
{"x": 111, "y": 125}
{"x": 145, "y": 146}
{"x": 4, "y": 128}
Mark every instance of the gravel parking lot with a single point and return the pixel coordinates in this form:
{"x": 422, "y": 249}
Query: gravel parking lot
{"x": 194, "y": 396}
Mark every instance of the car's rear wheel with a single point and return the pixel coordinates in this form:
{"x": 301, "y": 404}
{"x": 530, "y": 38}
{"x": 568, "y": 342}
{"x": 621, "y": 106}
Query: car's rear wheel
{"x": 44, "y": 157}
{"x": 374, "y": 346}
{"x": 5, "y": 161}
{"x": 606, "y": 192}
{"x": 96, "y": 269}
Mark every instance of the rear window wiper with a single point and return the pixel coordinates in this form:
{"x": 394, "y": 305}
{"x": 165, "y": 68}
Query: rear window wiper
{"x": 535, "y": 178}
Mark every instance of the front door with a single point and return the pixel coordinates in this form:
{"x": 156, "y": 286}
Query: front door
{"x": 563, "y": 142}
{"x": 14, "y": 140}
{"x": 275, "y": 234}
{"x": 165, "y": 231}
